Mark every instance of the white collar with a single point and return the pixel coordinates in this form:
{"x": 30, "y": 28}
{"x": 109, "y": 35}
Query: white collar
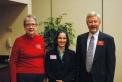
{"x": 95, "y": 34}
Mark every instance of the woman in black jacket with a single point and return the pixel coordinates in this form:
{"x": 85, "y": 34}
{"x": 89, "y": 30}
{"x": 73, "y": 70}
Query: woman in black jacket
{"x": 61, "y": 61}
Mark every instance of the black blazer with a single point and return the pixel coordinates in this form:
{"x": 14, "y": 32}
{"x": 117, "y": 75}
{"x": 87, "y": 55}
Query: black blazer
{"x": 104, "y": 59}
{"x": 57, "y": 69}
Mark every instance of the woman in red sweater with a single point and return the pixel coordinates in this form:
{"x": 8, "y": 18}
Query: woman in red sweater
{"x": 27, "y": 55}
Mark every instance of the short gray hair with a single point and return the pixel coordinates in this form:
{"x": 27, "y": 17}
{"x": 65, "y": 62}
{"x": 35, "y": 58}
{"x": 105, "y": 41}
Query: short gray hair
{"x": 93, "y": 13}
{"x": 29, "y": 16}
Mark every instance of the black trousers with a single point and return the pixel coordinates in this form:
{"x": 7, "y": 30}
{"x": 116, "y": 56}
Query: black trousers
{"x": 30, "y": 77}
{"x": 89, "y": 77}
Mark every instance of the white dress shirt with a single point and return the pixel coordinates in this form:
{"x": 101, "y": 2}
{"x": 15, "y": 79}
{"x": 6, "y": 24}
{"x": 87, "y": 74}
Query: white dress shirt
{"x": 95, "y": 41}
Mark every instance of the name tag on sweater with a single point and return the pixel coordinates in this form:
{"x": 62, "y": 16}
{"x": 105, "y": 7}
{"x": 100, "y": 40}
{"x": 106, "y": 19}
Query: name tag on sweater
{"x": 38, "y": 46}
{"x": 53, "y": 57}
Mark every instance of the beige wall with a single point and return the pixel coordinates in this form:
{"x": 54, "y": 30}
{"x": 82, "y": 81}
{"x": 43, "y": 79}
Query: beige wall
{"x": 76, "y": 11}
{"x": 41, "y": 9}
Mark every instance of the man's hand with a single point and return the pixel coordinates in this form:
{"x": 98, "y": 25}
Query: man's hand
{"x": 59, "y": 81}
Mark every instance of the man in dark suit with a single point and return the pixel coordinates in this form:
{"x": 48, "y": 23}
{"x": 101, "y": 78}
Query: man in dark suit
{"x": 96, "y": 63}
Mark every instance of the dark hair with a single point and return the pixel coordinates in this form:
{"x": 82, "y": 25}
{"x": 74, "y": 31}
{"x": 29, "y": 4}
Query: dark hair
{"x": 56, "y": 37}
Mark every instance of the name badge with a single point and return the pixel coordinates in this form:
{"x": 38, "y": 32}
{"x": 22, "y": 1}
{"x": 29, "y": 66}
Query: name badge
{"x": 53, "y": 57}
{"x": 38, "y": 46}
{"x": 100, "y": 43}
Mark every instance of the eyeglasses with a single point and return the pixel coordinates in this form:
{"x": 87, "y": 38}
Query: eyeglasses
{"x": 30, "y": 24}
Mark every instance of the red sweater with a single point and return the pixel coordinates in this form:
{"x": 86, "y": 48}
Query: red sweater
{"x": 27, "y": 56}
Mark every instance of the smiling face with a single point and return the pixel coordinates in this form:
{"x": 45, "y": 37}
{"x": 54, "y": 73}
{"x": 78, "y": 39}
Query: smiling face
{"x": 30, "y": 26}
{"x": 93, "y": 23}
{"x": 62, "y": 40}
